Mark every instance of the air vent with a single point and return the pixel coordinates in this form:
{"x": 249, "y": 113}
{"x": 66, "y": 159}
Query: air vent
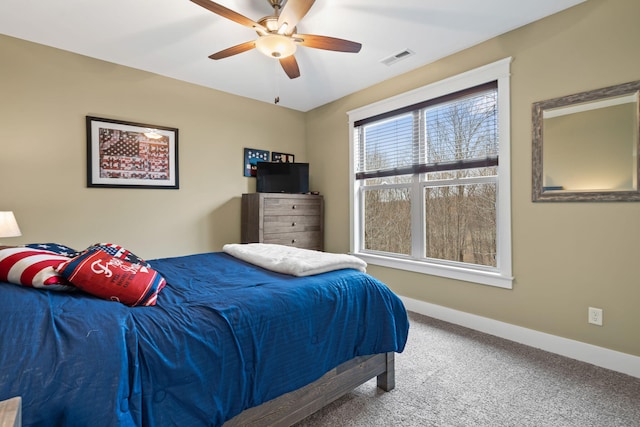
{"x": 398, "y": 57}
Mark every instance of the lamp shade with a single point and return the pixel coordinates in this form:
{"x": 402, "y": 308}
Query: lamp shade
{"x": 8, "y": 225}
{"x": 276, "y": 45}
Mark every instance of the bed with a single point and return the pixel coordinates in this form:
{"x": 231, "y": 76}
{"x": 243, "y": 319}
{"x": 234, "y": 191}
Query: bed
{"x": 226, "y": 343}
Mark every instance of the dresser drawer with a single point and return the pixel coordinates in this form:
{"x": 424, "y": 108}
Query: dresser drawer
{"x": 287, "y": 206}
{"x": 291, "y": 223}
{"x": 308, "y": 240}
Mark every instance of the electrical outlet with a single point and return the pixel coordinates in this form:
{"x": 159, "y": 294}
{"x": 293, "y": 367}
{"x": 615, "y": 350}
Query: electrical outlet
{"x": 595, "y": 316}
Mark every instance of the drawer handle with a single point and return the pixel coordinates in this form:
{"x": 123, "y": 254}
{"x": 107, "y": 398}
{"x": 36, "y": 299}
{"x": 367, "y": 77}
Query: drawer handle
{"x": 293, "y": 241}
{"x": 293, "y": 207}
{"x": 293, "y": 224}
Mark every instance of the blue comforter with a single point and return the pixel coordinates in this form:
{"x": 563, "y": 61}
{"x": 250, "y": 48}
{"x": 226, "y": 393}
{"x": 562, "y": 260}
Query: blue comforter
{"x": 224, "y": 336}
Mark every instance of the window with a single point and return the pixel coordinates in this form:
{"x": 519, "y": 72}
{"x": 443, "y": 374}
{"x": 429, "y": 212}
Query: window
{"x": 430, "y": 179}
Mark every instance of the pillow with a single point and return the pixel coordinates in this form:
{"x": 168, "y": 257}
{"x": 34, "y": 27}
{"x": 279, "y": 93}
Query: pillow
{"x": 32, "y": 267}
{"x": 119, "y": 252}
{"x": 112, "y": 278}
{"x": 54, "y": 247}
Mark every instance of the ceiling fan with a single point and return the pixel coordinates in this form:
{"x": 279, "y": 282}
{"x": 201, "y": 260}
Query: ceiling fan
{"x": 277, "y": 33}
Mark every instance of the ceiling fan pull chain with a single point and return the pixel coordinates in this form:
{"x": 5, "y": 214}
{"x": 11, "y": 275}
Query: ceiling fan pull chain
{"x": 276, "y": 82}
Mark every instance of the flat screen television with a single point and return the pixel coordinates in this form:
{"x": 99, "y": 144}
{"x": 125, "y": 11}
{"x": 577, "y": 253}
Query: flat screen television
{"x": 274, "y": 177}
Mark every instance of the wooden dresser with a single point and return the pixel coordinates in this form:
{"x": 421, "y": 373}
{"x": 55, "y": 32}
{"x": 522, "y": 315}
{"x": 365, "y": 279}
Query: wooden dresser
{"x": 285, "y": 219}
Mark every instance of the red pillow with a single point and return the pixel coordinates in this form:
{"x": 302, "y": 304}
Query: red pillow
{"x": 111, "y": 278}
{"x": 32, "y": 267}
{"x": 118, "y": 252}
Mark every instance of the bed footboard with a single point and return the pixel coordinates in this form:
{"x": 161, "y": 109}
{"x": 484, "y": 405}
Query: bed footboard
{"x": 296, "y": 405}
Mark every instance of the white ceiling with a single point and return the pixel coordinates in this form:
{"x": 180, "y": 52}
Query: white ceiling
{"x": 175, "y": 37}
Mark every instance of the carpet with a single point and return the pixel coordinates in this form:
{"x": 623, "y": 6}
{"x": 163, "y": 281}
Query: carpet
{"x": 449, "y": 375}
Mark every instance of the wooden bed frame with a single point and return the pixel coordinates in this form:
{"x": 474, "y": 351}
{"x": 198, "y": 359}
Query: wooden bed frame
{"x": 11, "y": 412}
{"x": 292, "y": 407}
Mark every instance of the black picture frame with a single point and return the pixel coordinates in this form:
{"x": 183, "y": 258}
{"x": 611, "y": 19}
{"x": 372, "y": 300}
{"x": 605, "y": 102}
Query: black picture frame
{"x": 251, "y": 158}
{"x": 123, "y": 154}
{"x": 283, "y": 157}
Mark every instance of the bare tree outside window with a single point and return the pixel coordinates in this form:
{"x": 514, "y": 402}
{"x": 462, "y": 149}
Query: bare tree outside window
{"x": 387, "y": 225}
{"x": 460, "y": 223}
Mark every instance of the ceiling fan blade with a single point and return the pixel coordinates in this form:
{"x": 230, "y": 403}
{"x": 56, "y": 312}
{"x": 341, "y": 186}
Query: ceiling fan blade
{"x": 327, "y": 43}
{"x": 234, "y": 50}
{"x": 290, "y": 66}
{"x": 292, "y": 13}
{"x": 230, "y": 14}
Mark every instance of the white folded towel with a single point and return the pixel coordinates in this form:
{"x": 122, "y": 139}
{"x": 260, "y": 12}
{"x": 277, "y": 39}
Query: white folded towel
{"x": 295, "y": 261}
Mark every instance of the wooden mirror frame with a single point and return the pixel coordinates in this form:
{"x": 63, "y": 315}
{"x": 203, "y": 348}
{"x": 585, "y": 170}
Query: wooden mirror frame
{"x": 538, "y": 108}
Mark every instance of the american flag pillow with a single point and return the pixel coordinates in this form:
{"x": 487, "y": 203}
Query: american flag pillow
{"x": 109, "y": 277}
{"x": 119, "y": 252}
{"x": 32, "y": 267}
{"x": 54, "y": 247}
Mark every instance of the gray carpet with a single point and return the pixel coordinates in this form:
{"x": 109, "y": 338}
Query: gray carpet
{"x": 453, "y": 376}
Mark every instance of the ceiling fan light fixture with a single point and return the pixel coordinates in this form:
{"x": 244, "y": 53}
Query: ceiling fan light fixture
{"x": 283, "y": 28}
{"x": 276, "y": 46}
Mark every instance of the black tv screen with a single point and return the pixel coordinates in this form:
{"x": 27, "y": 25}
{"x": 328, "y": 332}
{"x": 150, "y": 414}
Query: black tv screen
{"x": 273, "y": 177}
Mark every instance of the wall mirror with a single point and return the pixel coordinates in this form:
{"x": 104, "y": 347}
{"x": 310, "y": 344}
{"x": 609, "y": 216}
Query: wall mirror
{"x": 585, "y": 146}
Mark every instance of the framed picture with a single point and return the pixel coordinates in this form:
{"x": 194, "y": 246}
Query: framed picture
{"x": 251, "y": 158}
{"x": 131, "y": 155}
{"x": 282, "y": 157}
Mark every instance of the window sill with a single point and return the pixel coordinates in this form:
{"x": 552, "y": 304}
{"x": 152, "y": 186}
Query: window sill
{"x": 489, "y": 278}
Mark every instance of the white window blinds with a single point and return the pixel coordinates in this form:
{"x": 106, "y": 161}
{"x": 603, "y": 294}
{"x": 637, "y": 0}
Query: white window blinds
{"x": 454, "y": 132}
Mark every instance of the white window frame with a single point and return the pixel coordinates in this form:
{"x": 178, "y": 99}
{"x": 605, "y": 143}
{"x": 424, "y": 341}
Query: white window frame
{"x": 501, "y": 275}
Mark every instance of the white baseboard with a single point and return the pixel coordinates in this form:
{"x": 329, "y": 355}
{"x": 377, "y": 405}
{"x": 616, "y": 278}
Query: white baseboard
{"x": 599, "y": 356}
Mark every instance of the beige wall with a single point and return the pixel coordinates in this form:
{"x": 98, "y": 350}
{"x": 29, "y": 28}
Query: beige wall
{"x": 46, "y": 94}
{"x": 566, "y": 256}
